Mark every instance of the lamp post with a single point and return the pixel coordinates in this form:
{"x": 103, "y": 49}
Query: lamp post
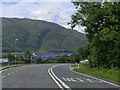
{"x": 15, "y": 49}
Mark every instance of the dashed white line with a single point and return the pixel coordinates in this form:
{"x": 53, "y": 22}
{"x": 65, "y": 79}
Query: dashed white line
{"x": 79, "y": 79}
{"x": 68, "y": 79}
{"x": 3, "y": 76}
{"x": 64, "y": 79}
{"x": 13, "y": 72}
{"x": 73, "y": 80}
{"x": 89, "y": 80}
{"x": 8, "y": 74}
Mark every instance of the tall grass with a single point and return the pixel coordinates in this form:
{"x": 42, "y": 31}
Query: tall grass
{"x": 107, "y": 74}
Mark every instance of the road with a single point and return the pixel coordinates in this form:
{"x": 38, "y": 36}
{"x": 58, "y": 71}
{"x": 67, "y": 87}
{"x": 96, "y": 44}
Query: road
{"x": 54, "y": 76}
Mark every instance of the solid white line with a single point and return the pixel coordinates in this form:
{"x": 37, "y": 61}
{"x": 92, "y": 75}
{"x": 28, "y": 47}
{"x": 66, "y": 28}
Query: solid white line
{"x": 54, "y": 79}
{"x": 95, "y": 78}
{"x": 59, "y": 79}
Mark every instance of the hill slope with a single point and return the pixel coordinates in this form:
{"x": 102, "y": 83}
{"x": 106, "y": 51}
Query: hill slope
{"x": 37, "y": 35}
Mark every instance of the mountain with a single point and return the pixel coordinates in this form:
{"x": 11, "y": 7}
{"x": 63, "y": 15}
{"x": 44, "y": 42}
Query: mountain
{"x": 38, "y": 35}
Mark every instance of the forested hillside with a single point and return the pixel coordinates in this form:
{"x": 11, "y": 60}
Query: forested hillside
{"x": 37, "y": 35}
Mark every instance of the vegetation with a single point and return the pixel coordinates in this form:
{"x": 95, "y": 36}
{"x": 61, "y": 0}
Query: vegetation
{"x": 102, "y": 31}
{"x": 39, "y": 60}
{"x": 10, "y": 57}
{"x": 107, "y": 74}
{"x": 14, "y": 59}
{"x": 38, "y": 36}
{"x": 27, "y": 56}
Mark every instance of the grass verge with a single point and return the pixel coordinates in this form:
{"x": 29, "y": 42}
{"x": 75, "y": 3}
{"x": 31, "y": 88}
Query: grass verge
{"x": 106, "y": 74}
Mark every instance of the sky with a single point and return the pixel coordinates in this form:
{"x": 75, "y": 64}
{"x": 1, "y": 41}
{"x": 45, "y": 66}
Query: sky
{"x": 57, "y": 11}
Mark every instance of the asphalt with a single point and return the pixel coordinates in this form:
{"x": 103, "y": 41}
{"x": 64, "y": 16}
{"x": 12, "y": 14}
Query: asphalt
{"x": 75, "y": 80}
{"x": 52, "y": 76}
{"x": 30, "y": 76}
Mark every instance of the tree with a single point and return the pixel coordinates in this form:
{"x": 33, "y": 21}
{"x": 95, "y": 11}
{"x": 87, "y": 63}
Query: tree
{"x": 27, "y": 56}
{"x": 102, "y": 31}
{"x": 10, "y": 57}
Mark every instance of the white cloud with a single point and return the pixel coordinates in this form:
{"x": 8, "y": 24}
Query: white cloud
{"x": 80, "y": 29}
{"x": 36, "y": 0}
{"x": 57, "y": 12}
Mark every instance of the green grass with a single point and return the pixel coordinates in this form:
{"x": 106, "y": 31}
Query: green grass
{"x": 107, "y": 74}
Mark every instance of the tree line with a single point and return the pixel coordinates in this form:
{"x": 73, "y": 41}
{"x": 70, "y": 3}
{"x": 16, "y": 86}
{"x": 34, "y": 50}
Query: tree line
{"x": 28, "y": 59}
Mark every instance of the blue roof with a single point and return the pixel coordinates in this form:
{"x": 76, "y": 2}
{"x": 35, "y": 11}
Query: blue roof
{"x": 51, "y": 55}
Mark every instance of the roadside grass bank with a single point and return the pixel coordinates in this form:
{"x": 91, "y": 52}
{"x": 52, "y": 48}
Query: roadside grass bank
{"x": 111, "y": 75}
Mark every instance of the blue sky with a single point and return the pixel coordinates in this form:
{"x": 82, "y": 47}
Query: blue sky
{"x": 52, "y": 11}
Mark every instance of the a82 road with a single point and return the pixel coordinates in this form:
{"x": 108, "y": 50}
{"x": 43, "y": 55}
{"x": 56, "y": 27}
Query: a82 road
{"x": 58, "y": 76}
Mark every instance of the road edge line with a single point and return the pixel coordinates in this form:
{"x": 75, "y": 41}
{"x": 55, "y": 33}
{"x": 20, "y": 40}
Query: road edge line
{"x": 94, "y": 78}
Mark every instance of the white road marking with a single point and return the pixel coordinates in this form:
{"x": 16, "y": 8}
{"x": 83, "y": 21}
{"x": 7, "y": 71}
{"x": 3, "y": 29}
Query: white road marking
{"x": 55, "y": 78}
{"x": 64, "y": 79}
{"x": 73, "y": 80}
{"x": 3, "y": 76}
{"x": 100, "y": 81}
{"x": 0, "y": 71}
{"x": 79, "y": 79}
{"x": 58, "y": 78}
{"x": 89, "y": 80}
{"x": 13, "y": 72}
{"x": 68, "y": 79}
{"x": 8, "y": 74}
{"x": 95, "y": 78}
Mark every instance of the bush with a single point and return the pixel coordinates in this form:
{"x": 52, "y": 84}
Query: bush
{"x": 10, "y": 57}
